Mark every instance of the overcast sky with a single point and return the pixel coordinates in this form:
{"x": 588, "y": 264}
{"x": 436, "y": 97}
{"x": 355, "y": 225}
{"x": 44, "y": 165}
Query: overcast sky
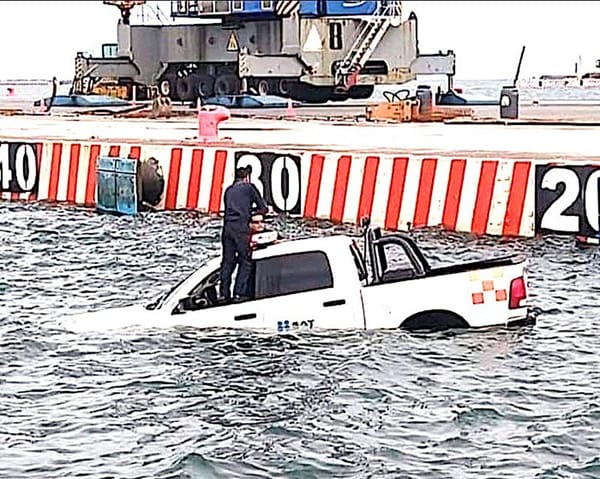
{"x": 40, "y": 39}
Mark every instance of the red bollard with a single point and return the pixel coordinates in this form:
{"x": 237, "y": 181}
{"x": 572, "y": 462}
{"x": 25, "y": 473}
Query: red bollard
{"x": 290, "y": 113}
{"x": 209, "y": 118}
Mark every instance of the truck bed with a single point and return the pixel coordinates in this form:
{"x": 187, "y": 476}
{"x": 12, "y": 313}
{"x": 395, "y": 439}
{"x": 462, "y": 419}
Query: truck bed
{"x": 403, "y": 274}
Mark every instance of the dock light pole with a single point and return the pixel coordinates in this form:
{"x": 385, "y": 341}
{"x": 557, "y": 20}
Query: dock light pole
{"x": 519, "y": 67}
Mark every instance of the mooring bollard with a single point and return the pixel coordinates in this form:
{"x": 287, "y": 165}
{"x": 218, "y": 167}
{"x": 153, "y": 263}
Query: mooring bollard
{"x": 289, "y": 111}
{"x": 209, "y": 118}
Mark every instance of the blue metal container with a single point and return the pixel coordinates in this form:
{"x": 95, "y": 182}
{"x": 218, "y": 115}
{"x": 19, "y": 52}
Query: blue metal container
{"x": 116, "y": 180}
{"x": 105, "y": 185}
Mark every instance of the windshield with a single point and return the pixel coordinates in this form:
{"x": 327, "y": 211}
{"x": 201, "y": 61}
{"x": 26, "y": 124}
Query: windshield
{"x": 158, "y": 302}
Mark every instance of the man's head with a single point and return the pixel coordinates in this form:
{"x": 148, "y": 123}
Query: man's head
{"x": 243, "y": 173}
{"x": 257, "y": 224}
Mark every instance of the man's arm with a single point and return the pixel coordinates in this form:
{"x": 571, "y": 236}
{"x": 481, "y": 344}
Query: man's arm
{"x": 262, "y": 207}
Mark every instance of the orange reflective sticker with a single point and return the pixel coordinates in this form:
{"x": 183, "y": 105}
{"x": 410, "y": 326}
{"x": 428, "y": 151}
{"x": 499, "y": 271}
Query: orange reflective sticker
{"x": 501, "y": 295}
{"x": 488, "y": 285}
{"x": 477, "y": 298}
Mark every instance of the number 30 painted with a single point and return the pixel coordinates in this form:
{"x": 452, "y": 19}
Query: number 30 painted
{"x": 280, "y": 165}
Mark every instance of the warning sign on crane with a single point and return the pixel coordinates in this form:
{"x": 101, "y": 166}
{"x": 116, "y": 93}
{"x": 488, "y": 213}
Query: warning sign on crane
{"x": 232, "y": 44}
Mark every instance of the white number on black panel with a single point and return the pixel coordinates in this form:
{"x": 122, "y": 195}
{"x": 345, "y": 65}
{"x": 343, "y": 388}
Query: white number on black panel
{"x": 555, "y": 217}
{"x": 282, "y": 178}
{"x": 285, "y": 183}
{"x": 18, "y": 167}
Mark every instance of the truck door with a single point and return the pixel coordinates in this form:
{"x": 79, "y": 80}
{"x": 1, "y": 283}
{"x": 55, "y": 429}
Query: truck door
{"x": 202, "y": 309}
{"x": 300, "y": 291}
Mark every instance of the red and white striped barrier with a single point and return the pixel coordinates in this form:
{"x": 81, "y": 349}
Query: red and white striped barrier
{"x": 482, "y": 196}
{"x": 399, "y": 192}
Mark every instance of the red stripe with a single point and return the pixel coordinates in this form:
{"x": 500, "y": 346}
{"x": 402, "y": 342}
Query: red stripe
{"x": 90, "y": 188}
{"x": 135, "y": 153}
{"x": 40, "y": 151}
{"x": 340, "y": 188}
{"x": 314, "y": 185}
{"x": 73, "y": 169}
{"x": 173, "y": 180}
{"x": 453, "y": 194}
{"x": 195, "y": 177}
{"x": 367, "y": 191}
{"x": 428, "y": 167}
{"x": 483, "y": 202}
{"x": 516, "y": 199}
{"x": 392, "y": 214}
{"x": 216, "y": 190}
{"x": 114, "y": 151}
{"x": 54, "y": 171}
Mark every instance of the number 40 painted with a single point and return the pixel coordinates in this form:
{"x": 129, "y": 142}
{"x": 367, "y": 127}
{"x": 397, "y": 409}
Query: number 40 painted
{"x": 25, "y": 177}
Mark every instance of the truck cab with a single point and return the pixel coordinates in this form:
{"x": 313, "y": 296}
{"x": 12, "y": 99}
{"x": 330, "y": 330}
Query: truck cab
{"x": 294, "y": 284}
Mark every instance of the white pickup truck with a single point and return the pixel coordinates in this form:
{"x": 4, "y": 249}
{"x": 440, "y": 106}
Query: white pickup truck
{"x": 328, "y": 282}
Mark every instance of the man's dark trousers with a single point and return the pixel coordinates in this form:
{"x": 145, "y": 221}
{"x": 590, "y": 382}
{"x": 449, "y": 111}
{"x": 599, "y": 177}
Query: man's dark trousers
{"x": 236, "y": 251}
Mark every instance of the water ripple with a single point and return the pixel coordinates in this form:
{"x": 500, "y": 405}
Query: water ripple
{"x": 188, "y": 403}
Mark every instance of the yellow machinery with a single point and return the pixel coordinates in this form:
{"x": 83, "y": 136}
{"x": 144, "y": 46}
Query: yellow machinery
{"x": 400, "y": 108}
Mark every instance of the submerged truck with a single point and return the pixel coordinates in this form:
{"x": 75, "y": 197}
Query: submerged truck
{"x": 328, "y": 283}
{"x": 309, "y": 50}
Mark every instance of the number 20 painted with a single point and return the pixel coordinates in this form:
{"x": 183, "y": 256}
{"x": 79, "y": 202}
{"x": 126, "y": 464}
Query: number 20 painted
{"x": 575, "y": 209}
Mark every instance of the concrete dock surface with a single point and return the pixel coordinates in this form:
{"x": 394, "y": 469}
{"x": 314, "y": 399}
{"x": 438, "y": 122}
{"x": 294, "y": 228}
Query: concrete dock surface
{"x": 519, "y": 139}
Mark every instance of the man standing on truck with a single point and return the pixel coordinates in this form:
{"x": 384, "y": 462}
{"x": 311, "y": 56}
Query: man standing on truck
{"x": 240, "y": 197}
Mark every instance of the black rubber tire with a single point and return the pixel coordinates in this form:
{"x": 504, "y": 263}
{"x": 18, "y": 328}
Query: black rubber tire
{"x": 227, "y": 85}
{"x": 151, "y": 181}
{"x": 434, "y": 321}
{"x": 205, "y": 86}
{"x": 263, "y": 87}
{"x": 184, "y": 89}
{"x": 361, "y": 92}
{"x": 311, "y": 94}
{"x": 283, "y": 87}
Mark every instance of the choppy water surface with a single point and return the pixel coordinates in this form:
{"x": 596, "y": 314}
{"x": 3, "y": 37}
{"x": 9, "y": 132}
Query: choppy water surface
{"x": 188, "y": 403}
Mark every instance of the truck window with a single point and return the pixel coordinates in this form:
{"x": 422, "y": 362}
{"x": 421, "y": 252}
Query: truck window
{"x": 292, "y": 273}
{"x": 398, "y": 265}
{"x": 358, "y": 261}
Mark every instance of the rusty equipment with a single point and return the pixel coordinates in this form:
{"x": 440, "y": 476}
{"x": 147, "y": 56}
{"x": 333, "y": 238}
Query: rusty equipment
{"x": 400, "y": 108}
{"x": 125, "y": 7}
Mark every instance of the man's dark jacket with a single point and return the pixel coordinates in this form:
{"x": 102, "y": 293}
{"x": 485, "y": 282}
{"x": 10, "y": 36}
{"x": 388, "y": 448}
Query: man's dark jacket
{"x": 239, "y": 200}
